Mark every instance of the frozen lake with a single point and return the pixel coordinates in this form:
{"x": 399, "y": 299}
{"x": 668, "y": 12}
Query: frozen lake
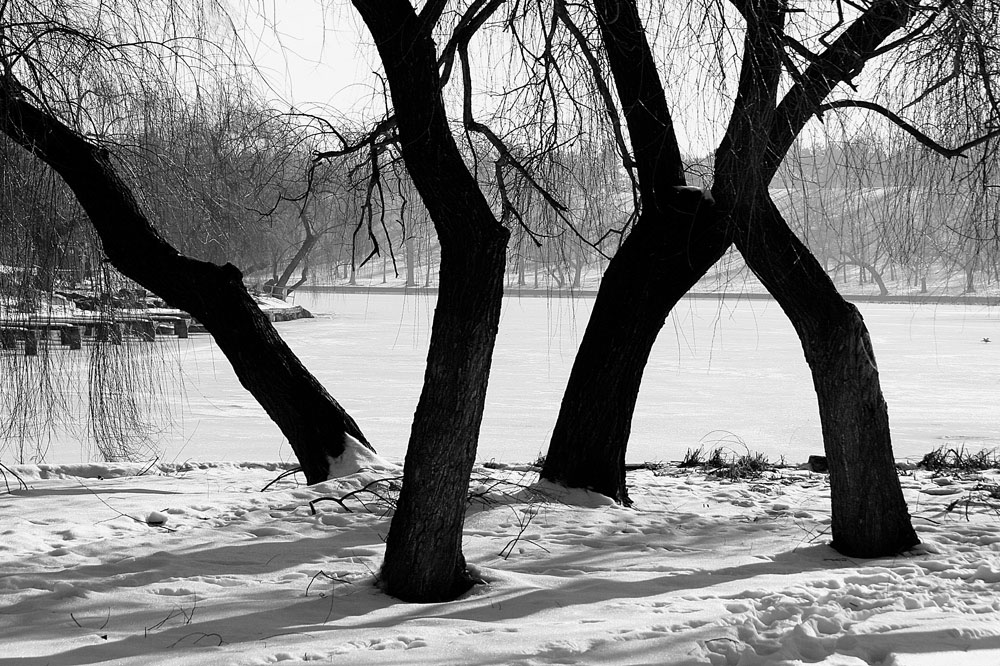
{"x": 729, "y": 373}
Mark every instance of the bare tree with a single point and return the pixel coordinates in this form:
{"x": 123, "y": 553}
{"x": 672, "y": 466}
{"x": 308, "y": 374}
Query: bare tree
{"x": 423, "y": 559}
{"x": 62, "y": 64}
{"x": 788, "y": 71}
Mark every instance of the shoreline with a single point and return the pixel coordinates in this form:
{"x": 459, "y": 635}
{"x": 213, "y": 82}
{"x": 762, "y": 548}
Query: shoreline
{"x": 908, "y": 299}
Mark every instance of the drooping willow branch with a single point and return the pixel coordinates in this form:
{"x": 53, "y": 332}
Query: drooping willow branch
{"x": 907, "y": 127}
{"x": 600, "y": 82}
{"x": 472, "y": 125}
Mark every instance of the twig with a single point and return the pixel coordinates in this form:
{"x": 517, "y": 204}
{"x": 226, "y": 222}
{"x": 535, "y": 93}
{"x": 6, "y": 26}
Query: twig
{"x": 523, "y": 520}
{"x": 287, "y": 472}
{"x": 123, "y": 515}
{"x": 188, "y": 617}
{"x": 200, "y": 635}
{"x": 323, "y": 574}
{"x": 106, "y": 620}
{"x": 7, "y": 470}
{"x": 367, "y": 488}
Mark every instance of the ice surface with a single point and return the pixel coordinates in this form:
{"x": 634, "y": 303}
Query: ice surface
{"x": 725, "y": 373}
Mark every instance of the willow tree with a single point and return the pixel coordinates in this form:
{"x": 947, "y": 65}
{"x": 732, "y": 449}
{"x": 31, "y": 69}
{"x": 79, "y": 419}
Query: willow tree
{"x": 423, "y": 558}
{"x": 795, "y": 64}
{"x": 70, "y": 80}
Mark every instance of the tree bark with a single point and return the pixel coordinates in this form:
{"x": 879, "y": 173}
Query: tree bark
{"x": 656, "y": 265}
{"x": 314, "y": 423}
{"x": 676, "y": 239}
{"x": 870, "y": 517}
{"x": 423, "y": 556}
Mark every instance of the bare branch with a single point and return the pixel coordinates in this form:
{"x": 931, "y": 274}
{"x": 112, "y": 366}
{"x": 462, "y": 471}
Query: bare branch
{"x": 602, "y": 87}
{"x": 468, "y": 25}
{"x": 916, "y": 32}
{"x": 910, "y": 129}
{"x": 507, "y": 208}
{"x": 840, "y": 62}
{"x": 381, "y": 134}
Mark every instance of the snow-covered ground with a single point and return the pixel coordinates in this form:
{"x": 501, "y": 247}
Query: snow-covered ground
{"x": 699, "y": 571}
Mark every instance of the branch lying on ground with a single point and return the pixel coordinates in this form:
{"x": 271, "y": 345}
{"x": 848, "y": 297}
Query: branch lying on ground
{"x": 7, "y": 470}
{"x": 286, "y": 473}
{"x": 387, "y": 498}
{"x": 487, "y": 491}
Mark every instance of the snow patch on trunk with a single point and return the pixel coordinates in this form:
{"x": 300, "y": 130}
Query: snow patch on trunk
{"x": 704, "y": 194}
{"x": 357, "y": 457}
{"x": 556, "y": 492}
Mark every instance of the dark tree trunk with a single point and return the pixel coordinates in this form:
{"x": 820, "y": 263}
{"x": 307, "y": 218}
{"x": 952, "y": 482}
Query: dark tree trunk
{"x": 300, "y": 258}
{"x": 314, "y": 423}
{"x": 656, "y": 265}
{"x": 863, "y": 267}
{"x": 423, "y": 556}
{"x": 411, "y": 263}
{"x": 675, "y": 241}
{"x": 870, "y": 517}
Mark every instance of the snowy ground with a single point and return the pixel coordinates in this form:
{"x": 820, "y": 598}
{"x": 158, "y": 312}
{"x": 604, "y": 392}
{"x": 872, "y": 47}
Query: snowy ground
{"x": 700, "y": 571}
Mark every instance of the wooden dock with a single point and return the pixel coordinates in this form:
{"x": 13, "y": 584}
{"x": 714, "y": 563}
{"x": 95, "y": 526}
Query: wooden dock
{"x": 28, "y": 330}
{"x": 72, "y": 330}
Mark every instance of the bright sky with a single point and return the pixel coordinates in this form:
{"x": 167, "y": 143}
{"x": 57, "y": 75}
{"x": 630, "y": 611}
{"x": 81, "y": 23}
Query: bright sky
{"x": 317, "y": 55}
{"x": 312, "y": 55}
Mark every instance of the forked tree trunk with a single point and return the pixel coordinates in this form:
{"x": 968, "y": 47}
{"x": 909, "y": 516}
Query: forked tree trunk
{"x": 314, "y": 423}
{"x": 423, "y": 554}
{"x": 870, "y": 517}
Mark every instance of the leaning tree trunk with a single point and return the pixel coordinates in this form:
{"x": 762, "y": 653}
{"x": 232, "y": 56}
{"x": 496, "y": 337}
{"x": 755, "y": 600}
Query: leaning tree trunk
{"x": 870, "y": 517}
{"x": 675, "y": 241}
{"x": 655, "y": 266}
{"x": 301, "y": 257}
{"x": 423, "y": 554}
{"x": 314, "y": 423}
